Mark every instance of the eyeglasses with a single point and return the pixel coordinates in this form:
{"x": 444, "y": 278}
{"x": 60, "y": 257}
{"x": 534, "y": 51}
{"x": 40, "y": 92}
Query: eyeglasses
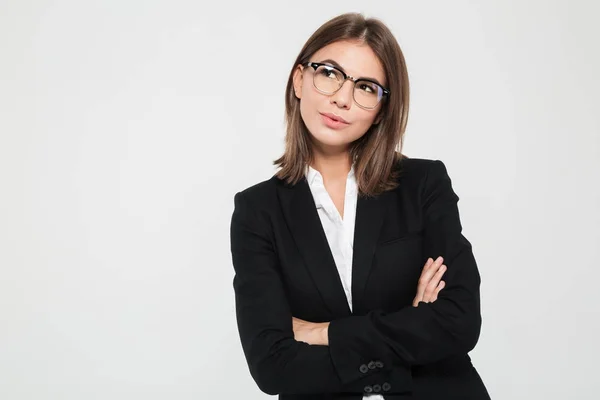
{"x": 328, "y": 79}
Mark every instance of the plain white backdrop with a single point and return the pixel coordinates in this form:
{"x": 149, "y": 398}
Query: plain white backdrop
{"x": 127, "y": 126}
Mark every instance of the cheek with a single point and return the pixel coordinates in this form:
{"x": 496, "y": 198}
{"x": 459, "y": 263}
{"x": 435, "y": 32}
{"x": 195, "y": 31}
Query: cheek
{"x": 308, "y": 90}
{"x": 309, "y": 105}
{"x": 305, "y": 107}
{"x": 305, "y": 94}
{"x": 368, "y": 116}
{"x": 364, "y": 121}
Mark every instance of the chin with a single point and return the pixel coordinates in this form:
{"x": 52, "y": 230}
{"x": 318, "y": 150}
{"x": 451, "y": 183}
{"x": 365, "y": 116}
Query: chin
{"x": 331, "y": 138}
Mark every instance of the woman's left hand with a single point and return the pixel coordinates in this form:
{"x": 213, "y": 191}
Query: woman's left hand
{"x": 310, "y": 332}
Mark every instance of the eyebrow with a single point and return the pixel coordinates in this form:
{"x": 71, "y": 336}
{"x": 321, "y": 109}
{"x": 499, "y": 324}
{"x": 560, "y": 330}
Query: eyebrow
{"x": 338, "y": 66}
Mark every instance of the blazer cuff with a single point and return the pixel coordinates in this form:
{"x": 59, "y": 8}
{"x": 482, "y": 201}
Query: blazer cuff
{"x": 352, "y": 365}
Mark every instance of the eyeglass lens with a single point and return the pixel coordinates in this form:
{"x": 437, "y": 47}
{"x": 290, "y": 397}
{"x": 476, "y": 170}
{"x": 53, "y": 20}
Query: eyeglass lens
{"x": 329, "y": 80}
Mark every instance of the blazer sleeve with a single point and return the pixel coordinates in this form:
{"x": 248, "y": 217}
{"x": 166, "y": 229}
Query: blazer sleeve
{"x": 277, "y": 362}
{"x": 432, "y": 331}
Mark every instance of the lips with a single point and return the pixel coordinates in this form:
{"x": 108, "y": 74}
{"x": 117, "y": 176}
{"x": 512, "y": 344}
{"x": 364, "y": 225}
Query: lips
{"x": 333, "y": 123}
{"x": 335, "y": 117}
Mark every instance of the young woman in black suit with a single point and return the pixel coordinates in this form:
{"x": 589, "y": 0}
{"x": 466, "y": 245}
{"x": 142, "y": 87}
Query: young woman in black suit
{"x": 352, "y": 277}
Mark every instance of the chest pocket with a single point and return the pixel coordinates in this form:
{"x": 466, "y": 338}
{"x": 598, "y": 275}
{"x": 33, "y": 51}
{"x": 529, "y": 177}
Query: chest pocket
{"x": 397, "y": 266}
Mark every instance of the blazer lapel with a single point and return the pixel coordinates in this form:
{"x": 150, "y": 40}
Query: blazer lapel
{"x": 370, "y": 213}
{"x": 301, "y": 215}
{"x": 300, "y": 212}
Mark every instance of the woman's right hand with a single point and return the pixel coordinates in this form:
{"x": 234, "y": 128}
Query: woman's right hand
{"x": 430, "y": 282}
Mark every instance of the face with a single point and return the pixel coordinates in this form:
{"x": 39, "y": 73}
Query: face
{"x": 356, "y": 60}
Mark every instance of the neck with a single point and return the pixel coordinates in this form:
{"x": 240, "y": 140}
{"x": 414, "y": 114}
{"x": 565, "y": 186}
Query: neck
{"x": 332, "y": 166}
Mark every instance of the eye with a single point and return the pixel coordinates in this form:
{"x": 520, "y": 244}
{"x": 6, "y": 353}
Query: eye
{"x": 328, "y": 72}
{"x": 367, "y": 87}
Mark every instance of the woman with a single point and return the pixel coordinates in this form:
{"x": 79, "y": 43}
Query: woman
{"x": 339, "y": 257}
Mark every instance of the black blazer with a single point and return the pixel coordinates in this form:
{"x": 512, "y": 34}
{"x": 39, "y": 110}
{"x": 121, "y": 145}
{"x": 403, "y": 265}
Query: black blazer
{"x": 284, "y": 268}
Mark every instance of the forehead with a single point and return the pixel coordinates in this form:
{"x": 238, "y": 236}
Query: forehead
{"x": 356, "y": 59}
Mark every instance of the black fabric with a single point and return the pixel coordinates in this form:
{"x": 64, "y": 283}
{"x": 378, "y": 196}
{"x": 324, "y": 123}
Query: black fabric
{"x": 284, "y": 268}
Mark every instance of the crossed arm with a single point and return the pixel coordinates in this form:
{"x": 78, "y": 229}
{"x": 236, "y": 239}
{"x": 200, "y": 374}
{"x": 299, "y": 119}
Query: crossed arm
{"x": 429, "y": 286}
{"x": 280, "y": 364}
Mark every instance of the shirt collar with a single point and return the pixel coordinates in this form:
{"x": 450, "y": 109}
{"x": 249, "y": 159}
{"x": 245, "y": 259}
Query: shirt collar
{"x": 312, "y": 174}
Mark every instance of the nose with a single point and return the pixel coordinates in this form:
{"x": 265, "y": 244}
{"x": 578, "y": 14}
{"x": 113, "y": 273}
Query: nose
{"x": 343, "y": 97}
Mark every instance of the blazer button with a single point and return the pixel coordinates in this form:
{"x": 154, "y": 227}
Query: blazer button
{"x": 364, "y": 369}
{"x": 379, "y": 364}
{"x": 376, "y": 388}
{"x": 368, "y": 389}
{"x": 386, "y": 387}
{"x": 372, "y": 365}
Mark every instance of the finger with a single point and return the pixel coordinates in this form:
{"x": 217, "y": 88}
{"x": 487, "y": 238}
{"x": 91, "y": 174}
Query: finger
{"x": 434, "y": 282}
{"x": 437, "y": 277}
{"x": 434, "y": 296}
{"x": 428, "y": 263}
{"x": 428, "y": 272}
{"x": 432, "y": 269}
{"x": 440, "y": 287}
{"x": 420, "y": 286}
{"x": 426, "y": 276}
{"x": 431, "y": 262}
{"x": 429, "y": 269}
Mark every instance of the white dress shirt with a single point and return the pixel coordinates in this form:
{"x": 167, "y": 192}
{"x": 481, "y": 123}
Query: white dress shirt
{"x": 339, "y": 231}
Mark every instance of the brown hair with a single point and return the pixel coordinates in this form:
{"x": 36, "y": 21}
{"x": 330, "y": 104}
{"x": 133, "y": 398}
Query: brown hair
{"x": 374, "y": 154}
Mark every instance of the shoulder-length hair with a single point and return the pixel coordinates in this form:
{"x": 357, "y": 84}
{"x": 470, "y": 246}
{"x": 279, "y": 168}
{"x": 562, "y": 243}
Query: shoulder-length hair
{"x": 377, "y": 152}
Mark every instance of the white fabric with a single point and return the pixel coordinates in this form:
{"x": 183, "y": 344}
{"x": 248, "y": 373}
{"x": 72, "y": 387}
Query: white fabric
{"x": 339, "y": 231}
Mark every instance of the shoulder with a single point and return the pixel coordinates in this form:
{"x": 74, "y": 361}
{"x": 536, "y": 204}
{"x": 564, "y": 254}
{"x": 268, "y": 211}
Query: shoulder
{"x": 430, "y": 179}
{"x": 259, "y": 194}
{"x": 426, "y": 177}
{"x": 419, "y": 169}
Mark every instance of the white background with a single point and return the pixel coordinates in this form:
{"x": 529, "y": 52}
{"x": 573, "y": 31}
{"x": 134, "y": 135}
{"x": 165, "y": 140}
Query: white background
{"x": 126, "y": 127}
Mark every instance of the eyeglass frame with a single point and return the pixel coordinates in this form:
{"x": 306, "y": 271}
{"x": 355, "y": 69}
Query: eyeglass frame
{"x": 315, "y": 65}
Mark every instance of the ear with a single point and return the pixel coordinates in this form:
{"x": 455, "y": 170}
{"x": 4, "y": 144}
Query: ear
{"x": 297, "y": 81}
